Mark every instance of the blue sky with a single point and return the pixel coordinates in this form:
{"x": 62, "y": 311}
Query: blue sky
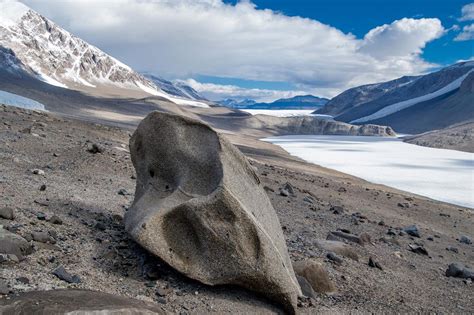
{"x": 268, "y": 49}
{"x": 358, "y": 17}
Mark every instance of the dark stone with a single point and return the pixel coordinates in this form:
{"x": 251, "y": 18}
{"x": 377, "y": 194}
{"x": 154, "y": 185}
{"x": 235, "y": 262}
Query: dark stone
{"x": 333, "y": 257}
{"x": 100, "y": 226}
{"x": 284, "y": 192}
{"x": 41, "y": 216}
{"x": 289, "y": 188}
{"x": 418, "y": 249}
{"x": 459, "y": 270}
{"x": 43, "y": 187}
{"x": 373, "y": 264}
{"x": 62, "y": 274}
{"x": 452, "y": 249}
{"x": 95, "y": 148}
{"x": 412, "y": 230}
{"x": 465, "y": 239}
{"x": 7, "y": 213}
{"x": 306, "y": 287}
{"x": 337, "y": 209}
{"x": 56, "y": 220}
{"x": 23, "y": 280}
{"x": 123, "y": 192}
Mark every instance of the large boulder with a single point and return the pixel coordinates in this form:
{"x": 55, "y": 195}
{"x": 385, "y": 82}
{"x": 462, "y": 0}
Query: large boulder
{"x": 74, "y": 302}
{"x": 315, "y": 274}
{"x": 13, "y": 244}
{"x": 200, "y": 207}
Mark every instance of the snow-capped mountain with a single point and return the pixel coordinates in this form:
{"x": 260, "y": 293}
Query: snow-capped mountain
{"x": 176, "y": 88}
{"x": 53, "y": 55}
{"x": 410, "y": 104}
{"x": 296, "y": 102}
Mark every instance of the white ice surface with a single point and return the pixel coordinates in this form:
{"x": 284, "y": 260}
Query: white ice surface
{"x": 444, "y": 175}
{"x": 19, "y": 101}
{"x": 388, "y": 110}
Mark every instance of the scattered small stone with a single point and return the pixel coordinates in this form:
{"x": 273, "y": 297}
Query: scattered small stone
{"x": 123, "y": 192}
{"x": 430, "y": 238}
{"x": 43, "y": 237}
{"x": 342, "y": 190}
{"x": 268, "y": 189}
{"x": 308, "y": 199}
{"x": 7, "y": 213}
{"x": 337, "y": 209}
{"x": 4, "y": 290}
{"x": 289, "y": 188}
{"x": 23, "y": 280}
{"x": 100, "y": 226}
{"x": 465, "y": 239}
{"x": 55, "y": 220}
{"x": 43, "y": 187}
{"x": 37, "y": 171}
{"x": 374, "y": 264}
{"x": 163, "y": 292}
{"x": 95, "y": 148}
{"x": 62, "y": 274}
{"x": 403, "y": 205}
{"x": 391, "y": 232}
{"x": 452, "y": 249}
{"x": 333, "y": 257}
{"x": 41, "y": 216}
{"x": 459, "y": 270}
{"x": 412, "y": 230}
{"x": 306, "y": 287}
{"x": 284, "y": 192}
{"x": 418, "y": 249}
{"x": 381, "y": 223}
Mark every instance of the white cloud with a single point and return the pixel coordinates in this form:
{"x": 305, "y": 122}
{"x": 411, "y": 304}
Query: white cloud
{"x": 219, "y": 91}
{"x": 466, "y": 34}
{"x": 467, "y": 12}
{"x": 183, "y": 37}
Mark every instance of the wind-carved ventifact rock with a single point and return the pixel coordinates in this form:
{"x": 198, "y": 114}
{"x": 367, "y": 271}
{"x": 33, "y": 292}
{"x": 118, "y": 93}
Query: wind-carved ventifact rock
{"x": 200, "y": 207}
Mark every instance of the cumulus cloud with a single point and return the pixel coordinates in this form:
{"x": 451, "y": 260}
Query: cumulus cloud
{"x": 466, "y": 34}
{"x": 220, "y": 91}
{"x": 181, "y": 38}
{"x": 467, "y": 12}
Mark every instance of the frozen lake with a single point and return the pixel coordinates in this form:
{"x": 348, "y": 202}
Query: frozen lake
{"x": 285, "y": 112}
{"x": 444, "y": 175}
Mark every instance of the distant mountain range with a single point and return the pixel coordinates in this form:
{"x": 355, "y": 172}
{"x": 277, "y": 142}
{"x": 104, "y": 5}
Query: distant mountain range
{"x": 410, "y": 104}
{"x": 176, "y": 88}
{"x": 296, "y": 102}
{"x": 31, "y": 44}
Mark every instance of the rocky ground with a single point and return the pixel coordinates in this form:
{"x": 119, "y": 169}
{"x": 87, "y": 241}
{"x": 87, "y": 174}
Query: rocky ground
{"x": 458, "y": 137}
{"x": 69, "y": 183}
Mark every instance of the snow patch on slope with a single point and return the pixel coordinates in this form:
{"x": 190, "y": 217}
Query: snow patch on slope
{"x": 388, "y": 110}
{"x": 176, "y": 100}
{"x": 19, "y": 101}
{"x": 11, "y": 12}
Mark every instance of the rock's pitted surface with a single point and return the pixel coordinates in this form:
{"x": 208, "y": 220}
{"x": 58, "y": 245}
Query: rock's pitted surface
{"x": 12, "y": 244}
{"x": 74, "y": 302}
{"x": 200, "y": 207}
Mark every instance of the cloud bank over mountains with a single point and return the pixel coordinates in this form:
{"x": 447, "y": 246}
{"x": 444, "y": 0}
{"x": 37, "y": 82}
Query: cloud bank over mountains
{"x": 181, "y": 38}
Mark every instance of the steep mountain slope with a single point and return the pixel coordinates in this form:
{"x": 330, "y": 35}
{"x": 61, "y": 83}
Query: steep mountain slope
{"x": 296, "y": 102}
{"x": 49, "y": 53}
{"x": 410, "y": 104}
{"x": 448, "y": 109}
{"x": 361, "y": 95}
{"x": 176, "y": 88}
{"x": 458, "y": 137}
